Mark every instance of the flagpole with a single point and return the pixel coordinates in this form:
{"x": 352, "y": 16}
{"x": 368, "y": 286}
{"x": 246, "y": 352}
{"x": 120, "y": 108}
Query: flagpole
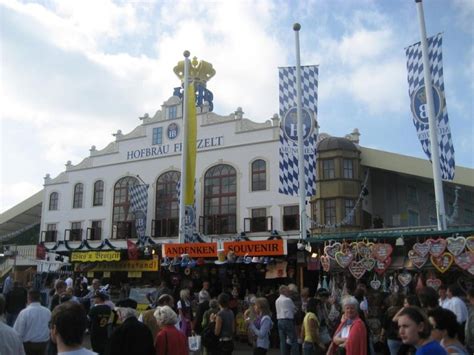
{"x": 184, "y": 150}
{"x": 438, "y": 182}
{"x": 301, "y": 177}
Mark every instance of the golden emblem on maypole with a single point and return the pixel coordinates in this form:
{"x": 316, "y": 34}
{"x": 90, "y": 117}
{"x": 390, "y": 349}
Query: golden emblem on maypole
{"x": 199, "y": 71}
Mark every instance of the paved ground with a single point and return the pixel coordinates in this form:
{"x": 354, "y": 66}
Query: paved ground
{"x": 240, "y": 348}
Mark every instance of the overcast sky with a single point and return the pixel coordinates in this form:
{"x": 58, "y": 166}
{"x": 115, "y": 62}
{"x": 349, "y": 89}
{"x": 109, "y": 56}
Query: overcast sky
{"x": 73, "y": 72}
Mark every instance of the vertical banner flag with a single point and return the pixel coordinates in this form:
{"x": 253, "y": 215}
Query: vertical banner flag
{"x": 416, "y": 90}
{"x": 288, "y": 128}
{"x": 138, "y": 205}
{"x": 190, "y": 212}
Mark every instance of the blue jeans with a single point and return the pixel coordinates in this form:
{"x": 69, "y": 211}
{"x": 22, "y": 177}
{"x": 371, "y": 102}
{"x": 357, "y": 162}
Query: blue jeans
{"x": 309, "y": 349}
{"x": 393, "y": 346}
{"x": 286, "y": 329}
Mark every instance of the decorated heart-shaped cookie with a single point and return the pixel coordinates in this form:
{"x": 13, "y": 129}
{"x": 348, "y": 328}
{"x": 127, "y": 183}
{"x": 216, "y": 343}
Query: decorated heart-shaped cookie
{"x": 438, "y": 246}
{"x": 344, "y": 258}
{"x": 325, "y": 262}
{"x": 404, "y": 278}
{"x": 352, "y": 248}
{"x": 456, "y": 245}
{"x": 422, "y": 248}
{"x": 470, "y": 243}
{"x": 382, "y": 266}
{"x": 365, "y": 249}
{"x": 442, "y": 263}
{"x": 382, "y": 251}
{"x": 465, "y": 260}
{"x": 357, "y": 269}
{"x": 368, "y": 263}
{"x": 332, "y": 249}
{"x": 417, "y": 260}
{"x": 434, "y": 283}
{"x": 375, "y": 284}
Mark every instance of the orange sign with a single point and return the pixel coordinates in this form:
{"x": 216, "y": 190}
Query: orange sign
{"x": 257, "y": 248}
{"x": 194, "y": 250}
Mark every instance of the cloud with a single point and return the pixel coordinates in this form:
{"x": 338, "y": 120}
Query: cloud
{"x": 12, "y": 193}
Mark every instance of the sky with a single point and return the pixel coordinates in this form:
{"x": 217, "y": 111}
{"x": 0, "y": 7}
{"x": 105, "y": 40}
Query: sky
{"x": 72, "y": 72}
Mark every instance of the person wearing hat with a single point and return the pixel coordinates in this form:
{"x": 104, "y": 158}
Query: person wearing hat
{"x": 99, "y": 316}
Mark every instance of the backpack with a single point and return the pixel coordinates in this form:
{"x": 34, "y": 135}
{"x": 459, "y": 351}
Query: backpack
{"x": 208, "y": 339}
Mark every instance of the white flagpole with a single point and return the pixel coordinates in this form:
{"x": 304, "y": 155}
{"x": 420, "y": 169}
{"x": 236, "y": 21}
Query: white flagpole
{"x": 184, "y": 150}
{"x": 438, "y": 182}
{"x": 301, "y": 183}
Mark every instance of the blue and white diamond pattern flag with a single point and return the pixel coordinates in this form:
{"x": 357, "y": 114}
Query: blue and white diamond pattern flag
{"x": 288, "y": 129}
{"x": 138, "y": 205}
{"x": 416, "y": 90}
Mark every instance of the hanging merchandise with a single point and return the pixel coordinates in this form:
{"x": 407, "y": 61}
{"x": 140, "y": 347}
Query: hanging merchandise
{"x": 382, "y": 266}
{"x": 384, "y": 284}
{"x": 434, "y": 283}
{"x": 419, "y": 283}
{"x": 404, "y": 278}
{"x": 417, "y": 259}
{"x": 331, "y": 249}
{"x": 470, "y": 243}
{"x": 456, "y": 245}
{"x": 391, "y": 284}
{"x": 325, "y": 262}
{"x": 357, "y": 269}
{"x": 375, "y": 283}
{"x": 443, "y": 262}
{"x": 325, "y": 283}
{"x": 382, "y": 251}
{"x": 344, "y": 258}
{"x": 465, "y": 260}
{"x": 438, "y": 246}
{"x": 422, "y": 249}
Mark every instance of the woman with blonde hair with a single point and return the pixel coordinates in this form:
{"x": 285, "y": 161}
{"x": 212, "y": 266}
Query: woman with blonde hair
{"x": 185, "y": 312}
{"x": 261, "y": 328}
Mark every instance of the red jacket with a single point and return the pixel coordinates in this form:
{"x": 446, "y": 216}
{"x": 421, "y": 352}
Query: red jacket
{"x": 356, "y": 343}
{"x": 170, "y": 341}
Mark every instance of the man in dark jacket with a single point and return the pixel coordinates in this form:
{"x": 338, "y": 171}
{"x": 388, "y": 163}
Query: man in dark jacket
{"x": 15, "y": 302}
{"x": 131, "y": 337}
{"x": 99, "y": 317}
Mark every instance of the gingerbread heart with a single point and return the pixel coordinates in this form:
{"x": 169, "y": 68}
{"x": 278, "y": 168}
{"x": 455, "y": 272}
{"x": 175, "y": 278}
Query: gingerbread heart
{"x": 456, "y": 245}
{"x": 422, "y": 248}
{"x": 464, "y": 260}
{"x": 352, "y": 248}
{"x": 357, "y": 269}
{"x": 325, "y": 262}
{"x": 470, "y": 243}
{"x": 417, "y": 260}
{"x": 344, "y": 258}
{"x": 368, "y": 263}
{"x": 404, "y": 278}
{"x": 382, "y": 251}
{"x": 442, "y": 263}
{"x": 434, "y": 283}
{"x": 332, "y": 249}
{"x": 365, "y": 249}
{"x": 382, "y": 266}
{"x": 438, "y": 246}
{"x": 375, "y": 284}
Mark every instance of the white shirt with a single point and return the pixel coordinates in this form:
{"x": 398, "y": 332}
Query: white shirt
{"x": 285, "y": 307}
{"x": 32, "y": 323}
{"x": 364, "y": 305}
{"x": 443, "y": 303}
{"x": 10, "y": 341}
{"x": 458, "y": 307}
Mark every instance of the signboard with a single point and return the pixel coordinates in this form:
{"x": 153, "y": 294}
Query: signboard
{"x": 257, "y": 248}
{"x": 92, "y": 256}
{"x": 125, "y": 265}
{"x": 194, "y": 250}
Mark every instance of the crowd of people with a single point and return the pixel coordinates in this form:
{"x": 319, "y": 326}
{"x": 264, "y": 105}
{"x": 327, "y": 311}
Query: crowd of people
{"x": 295, "y": 321}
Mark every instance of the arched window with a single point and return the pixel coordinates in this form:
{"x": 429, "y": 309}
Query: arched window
{"x": 78, "y": 194}
{"x": 98, "y": 193}
{"x": 259, "y": 175}
{"x": 53, "y": 201}
{"x": 220, "y": 200}
{"x": 167, "y": 205}
{"x": 123, "y": 220}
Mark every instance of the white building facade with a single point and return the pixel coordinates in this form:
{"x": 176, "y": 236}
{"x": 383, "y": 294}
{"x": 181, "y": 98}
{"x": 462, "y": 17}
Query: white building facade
{"x": 237, "y": 180}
